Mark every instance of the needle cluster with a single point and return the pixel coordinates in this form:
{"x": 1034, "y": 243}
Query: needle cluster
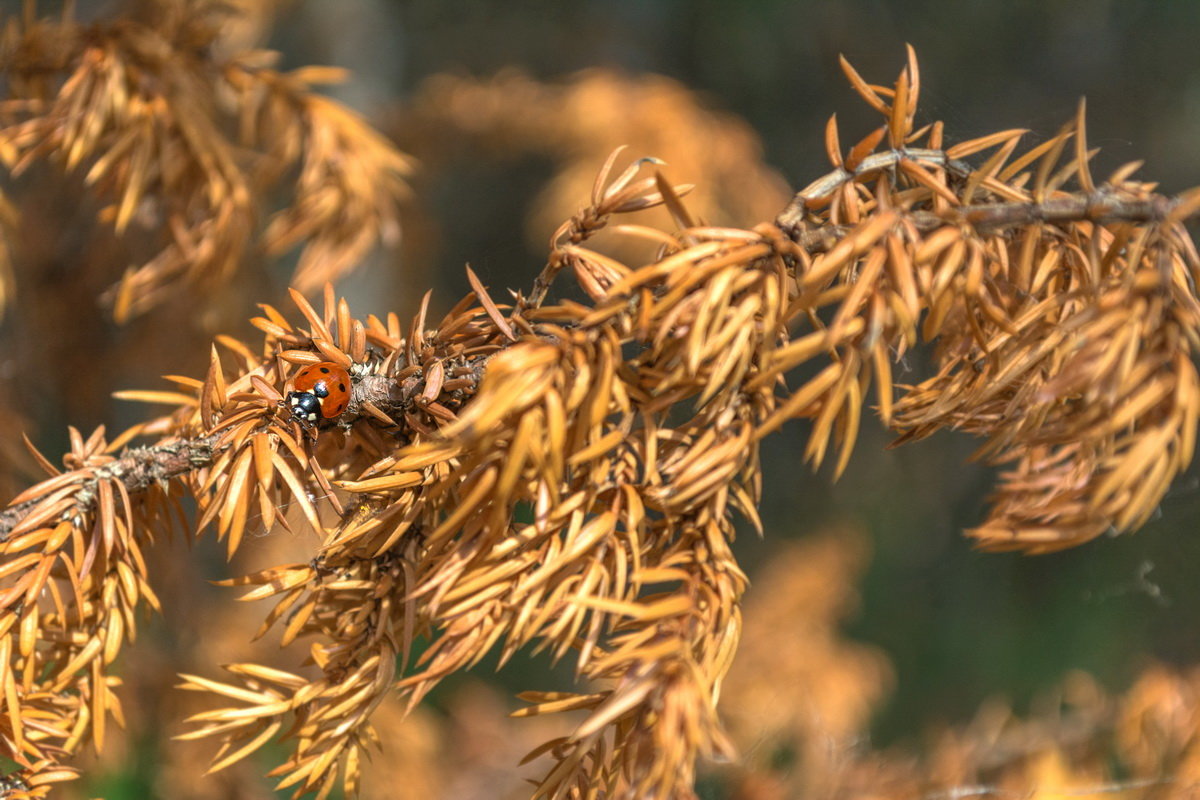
{"x": 565, "y": 475}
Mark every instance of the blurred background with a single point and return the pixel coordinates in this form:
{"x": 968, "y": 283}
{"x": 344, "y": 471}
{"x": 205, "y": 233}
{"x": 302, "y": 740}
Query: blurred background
{"x": 872, "y": 625}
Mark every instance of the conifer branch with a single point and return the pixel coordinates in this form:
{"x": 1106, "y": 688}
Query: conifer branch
{"x": 137, "y": 469}
{"x": 566, "y": 475}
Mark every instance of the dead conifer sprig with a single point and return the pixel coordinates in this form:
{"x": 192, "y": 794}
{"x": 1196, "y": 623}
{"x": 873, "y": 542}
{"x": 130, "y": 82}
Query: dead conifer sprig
{"x": 188, "y": 146}
{"x": 566, "y": 476}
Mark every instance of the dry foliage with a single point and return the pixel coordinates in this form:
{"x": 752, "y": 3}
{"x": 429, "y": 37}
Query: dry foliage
{"x": 1078, "y": 741}
{"x": 798, "y": 692}
{"x": 576, "y": 123}
{"x": 184, "y": 145}
{"x": 565, "y": 476}
{"x": 798, "y": 701}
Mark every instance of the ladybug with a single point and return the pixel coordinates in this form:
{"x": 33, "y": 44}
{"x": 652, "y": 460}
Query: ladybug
{"x": 319, "y": 391}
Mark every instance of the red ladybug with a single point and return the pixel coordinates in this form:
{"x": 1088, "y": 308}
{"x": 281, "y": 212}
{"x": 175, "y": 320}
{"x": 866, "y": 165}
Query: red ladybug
{"x": 319, "y": 391}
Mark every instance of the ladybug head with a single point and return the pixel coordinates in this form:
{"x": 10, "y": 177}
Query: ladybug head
{"x": 304, "y": 406}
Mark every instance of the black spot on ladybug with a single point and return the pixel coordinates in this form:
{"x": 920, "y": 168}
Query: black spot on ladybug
{"x": 341, "y": 387}
{"x": 325, "y": 370}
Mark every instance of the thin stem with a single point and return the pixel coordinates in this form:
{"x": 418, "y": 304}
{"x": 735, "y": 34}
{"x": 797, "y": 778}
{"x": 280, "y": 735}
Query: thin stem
{"x": 137, "y": 469}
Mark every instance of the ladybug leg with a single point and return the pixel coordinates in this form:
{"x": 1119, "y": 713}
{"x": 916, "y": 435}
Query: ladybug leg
{"x": 293, "y": 416}
{"x": 304, "y": 407}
